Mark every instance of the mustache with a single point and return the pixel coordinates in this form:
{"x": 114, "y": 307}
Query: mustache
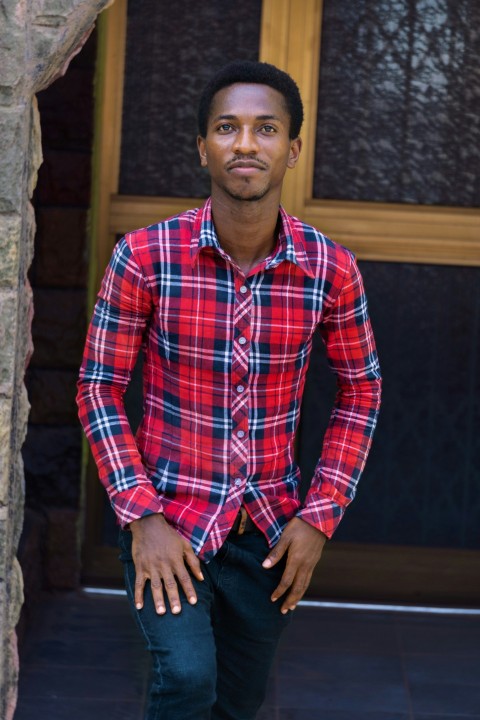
{"x": 246, "y": 160}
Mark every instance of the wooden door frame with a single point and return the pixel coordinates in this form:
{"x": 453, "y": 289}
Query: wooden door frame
{"x": 290, "y": 39}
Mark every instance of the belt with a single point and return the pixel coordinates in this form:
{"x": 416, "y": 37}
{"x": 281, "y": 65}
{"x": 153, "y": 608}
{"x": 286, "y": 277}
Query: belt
{"x": 244, "y": 523}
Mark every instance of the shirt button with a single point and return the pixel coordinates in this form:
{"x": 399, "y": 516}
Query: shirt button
{"x": 242, "y": 340}
{"x": 240, "y": 434}
{"x": 243, "y": 289}
{"x": 240, "y": 388}
{"x": 238, "y": 481}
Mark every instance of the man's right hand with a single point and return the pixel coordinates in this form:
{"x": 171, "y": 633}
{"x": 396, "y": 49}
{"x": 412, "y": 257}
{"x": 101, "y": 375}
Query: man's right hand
{"x": 161, "y": 555}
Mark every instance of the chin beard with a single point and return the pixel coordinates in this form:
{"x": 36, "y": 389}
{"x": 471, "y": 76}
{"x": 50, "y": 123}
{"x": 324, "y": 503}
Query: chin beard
{"x": 244, "y": 197}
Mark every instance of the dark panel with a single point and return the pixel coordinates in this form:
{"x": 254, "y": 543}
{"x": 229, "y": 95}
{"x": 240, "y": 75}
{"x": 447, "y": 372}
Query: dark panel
{"x": 172, "y": 51}
{"x": 399, "y": 102}
{"x": 422, "y": 481}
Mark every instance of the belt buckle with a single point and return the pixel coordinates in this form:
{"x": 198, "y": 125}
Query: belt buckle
{"x": 243, "y": 521}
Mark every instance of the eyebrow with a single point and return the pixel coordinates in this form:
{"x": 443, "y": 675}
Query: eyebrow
{"x": 258, "y": 117}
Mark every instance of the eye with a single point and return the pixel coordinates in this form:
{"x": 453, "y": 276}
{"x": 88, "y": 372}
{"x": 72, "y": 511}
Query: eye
{"x": 224, "y": 128}
{"x": 269, "y": 129}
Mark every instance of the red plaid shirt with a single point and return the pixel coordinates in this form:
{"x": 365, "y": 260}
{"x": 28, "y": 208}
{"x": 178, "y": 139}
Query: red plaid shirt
{"x": 225, "y": 358}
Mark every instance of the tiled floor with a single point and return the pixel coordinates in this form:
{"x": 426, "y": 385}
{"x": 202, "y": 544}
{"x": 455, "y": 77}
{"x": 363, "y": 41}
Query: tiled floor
{"x": 83, "y": 660}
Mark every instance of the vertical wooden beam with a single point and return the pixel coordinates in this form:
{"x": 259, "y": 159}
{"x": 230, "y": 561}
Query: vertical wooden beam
{"x": 290, "y": 39}
{"x": 107, "y": 136}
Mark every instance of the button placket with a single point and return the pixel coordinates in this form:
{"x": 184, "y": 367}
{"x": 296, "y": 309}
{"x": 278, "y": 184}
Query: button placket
{"x": 240, "y": 383}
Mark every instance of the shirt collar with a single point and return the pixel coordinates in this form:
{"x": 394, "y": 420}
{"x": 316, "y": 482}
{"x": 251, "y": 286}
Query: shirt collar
{"x": 290, "y": 245}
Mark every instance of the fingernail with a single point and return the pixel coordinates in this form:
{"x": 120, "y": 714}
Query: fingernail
{"x": 160, "y": 609}
{"x": 274, "y": 599}
{"x": 201, "y": 576}
{"x": 138, "y": 606}
{"x": 293, "y": 608}
{"x": 175, "y": 609}
{"x": 267, "y": 563}
{"x": 192, "y": 600}
{"x": 284, "y": 612}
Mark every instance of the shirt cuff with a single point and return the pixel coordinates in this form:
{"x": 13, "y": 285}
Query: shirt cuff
{"x": 136, "y": 503}
{"x": 323, "y": 514}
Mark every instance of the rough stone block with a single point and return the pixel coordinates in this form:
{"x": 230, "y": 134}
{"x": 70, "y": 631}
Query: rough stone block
{"x": 35, "y": 156}
{"x": 5, "y": 451}
{"x": 59, "y": 327}
{"x": 12, "y": 143}
{"x": 53, "y": 461}
{"x": 10, "y": 235}
{"x": 12, "y": 58}
{"x": 52, "y": 396}
{"x": 62, "y": 567}
{"x": 8, "y": 327}
{"x": 60, "y": 248}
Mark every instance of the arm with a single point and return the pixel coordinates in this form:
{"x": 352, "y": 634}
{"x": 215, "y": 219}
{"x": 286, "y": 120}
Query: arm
{"x": 351, "y": 353}
{"x": 121, "y": 315}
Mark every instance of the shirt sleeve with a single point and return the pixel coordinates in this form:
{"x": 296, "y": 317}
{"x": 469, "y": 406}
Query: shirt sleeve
{"x": 114, "y": 338}
{"x": 351, "y": 352}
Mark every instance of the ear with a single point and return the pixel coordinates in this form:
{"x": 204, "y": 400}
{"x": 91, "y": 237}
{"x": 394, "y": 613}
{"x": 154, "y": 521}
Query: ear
{"x": 295, "y": 148}
{"x": 202, "y": 151}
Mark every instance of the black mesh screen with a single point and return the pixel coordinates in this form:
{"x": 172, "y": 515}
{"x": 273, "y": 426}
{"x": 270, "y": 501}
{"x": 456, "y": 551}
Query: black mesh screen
{"x": 421, "y": 483}
{"x": 399, "y": 102}
{"x": 172, "y": 50}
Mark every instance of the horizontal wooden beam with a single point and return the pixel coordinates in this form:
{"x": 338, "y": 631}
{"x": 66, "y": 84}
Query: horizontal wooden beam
{"x": 374, "y": 231}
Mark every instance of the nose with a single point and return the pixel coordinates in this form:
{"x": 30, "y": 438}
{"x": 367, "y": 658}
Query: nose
{"x": 245, "y": 142}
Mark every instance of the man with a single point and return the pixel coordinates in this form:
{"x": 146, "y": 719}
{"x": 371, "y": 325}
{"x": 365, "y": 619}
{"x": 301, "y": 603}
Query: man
{"x": 224, "y": 301}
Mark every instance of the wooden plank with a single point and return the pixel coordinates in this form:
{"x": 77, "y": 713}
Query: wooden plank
{"x": 274, "y": 32}
{"x": 398, "y": 574}
{"x": 363, "y": 573}
{"x": 303, "y": 65}
{"x": 107, "y": 135}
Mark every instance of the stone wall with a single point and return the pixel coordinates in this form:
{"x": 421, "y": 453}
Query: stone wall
{"x": 37, "y": 40}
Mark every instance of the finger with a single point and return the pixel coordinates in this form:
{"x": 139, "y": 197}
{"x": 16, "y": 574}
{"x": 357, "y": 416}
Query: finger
{"x": 172, "y": 592}
{"x": 276, "y": 554}
{"x": 185, "y": 581}
{"x": 285, "y": 583}
{"x": 298, "y": 589}
{"x": 157, "y": 594}
{"x": 193, "y": 563}
{"x": 139, "y": 588}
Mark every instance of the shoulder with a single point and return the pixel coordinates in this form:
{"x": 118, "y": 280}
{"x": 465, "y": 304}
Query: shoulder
{"x": 324, "y": 254}
{"x": 175, "y": 231}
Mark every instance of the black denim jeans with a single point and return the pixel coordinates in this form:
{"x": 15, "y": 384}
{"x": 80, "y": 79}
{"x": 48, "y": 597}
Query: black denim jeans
{"x": 212, "y": 661}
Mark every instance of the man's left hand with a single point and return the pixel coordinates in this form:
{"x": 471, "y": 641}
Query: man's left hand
{"x": 304, "y": 545}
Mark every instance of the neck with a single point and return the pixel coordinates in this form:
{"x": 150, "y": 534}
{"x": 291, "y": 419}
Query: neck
{"x": 246, "y": 230}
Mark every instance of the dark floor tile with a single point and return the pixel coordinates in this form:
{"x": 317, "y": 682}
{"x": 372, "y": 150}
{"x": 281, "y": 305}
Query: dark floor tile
{"x": 350, "y": 632}
{"x": 440, "y": 635}
{"x": 67, "y": 650}
{"x": 322, "y": 714}
{"x": 61, "y": 709}
{"x": 441, "y": 699}
{"x": 421, "y": 716}
{"x": 313, "y": 663}
{"x": 54, "y": 682}
{"x": 342, "y": 694}
{"x": 267, "y": 713}
{"x": 442, "y": 669}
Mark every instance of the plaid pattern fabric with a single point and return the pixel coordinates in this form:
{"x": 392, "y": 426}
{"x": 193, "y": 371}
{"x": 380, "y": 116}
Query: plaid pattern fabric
{"x": 225, "y": 358}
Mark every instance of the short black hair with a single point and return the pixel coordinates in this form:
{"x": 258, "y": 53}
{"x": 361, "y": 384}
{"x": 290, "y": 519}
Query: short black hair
{"x": 261, "y": 73}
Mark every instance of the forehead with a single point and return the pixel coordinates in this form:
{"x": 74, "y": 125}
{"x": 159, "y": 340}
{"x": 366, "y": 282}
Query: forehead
{"x": 249, "y": 99}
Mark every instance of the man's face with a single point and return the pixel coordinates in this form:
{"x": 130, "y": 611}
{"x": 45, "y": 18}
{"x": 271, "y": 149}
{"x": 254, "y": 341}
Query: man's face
{"x": 247, "y": 148}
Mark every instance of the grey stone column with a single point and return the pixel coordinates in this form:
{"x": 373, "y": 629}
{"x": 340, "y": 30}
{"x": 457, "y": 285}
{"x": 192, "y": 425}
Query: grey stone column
{"x": 37, "y": 40}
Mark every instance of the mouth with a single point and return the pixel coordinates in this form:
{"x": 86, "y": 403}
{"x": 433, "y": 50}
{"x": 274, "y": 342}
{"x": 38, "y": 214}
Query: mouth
{"x": 245, "y": 167}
